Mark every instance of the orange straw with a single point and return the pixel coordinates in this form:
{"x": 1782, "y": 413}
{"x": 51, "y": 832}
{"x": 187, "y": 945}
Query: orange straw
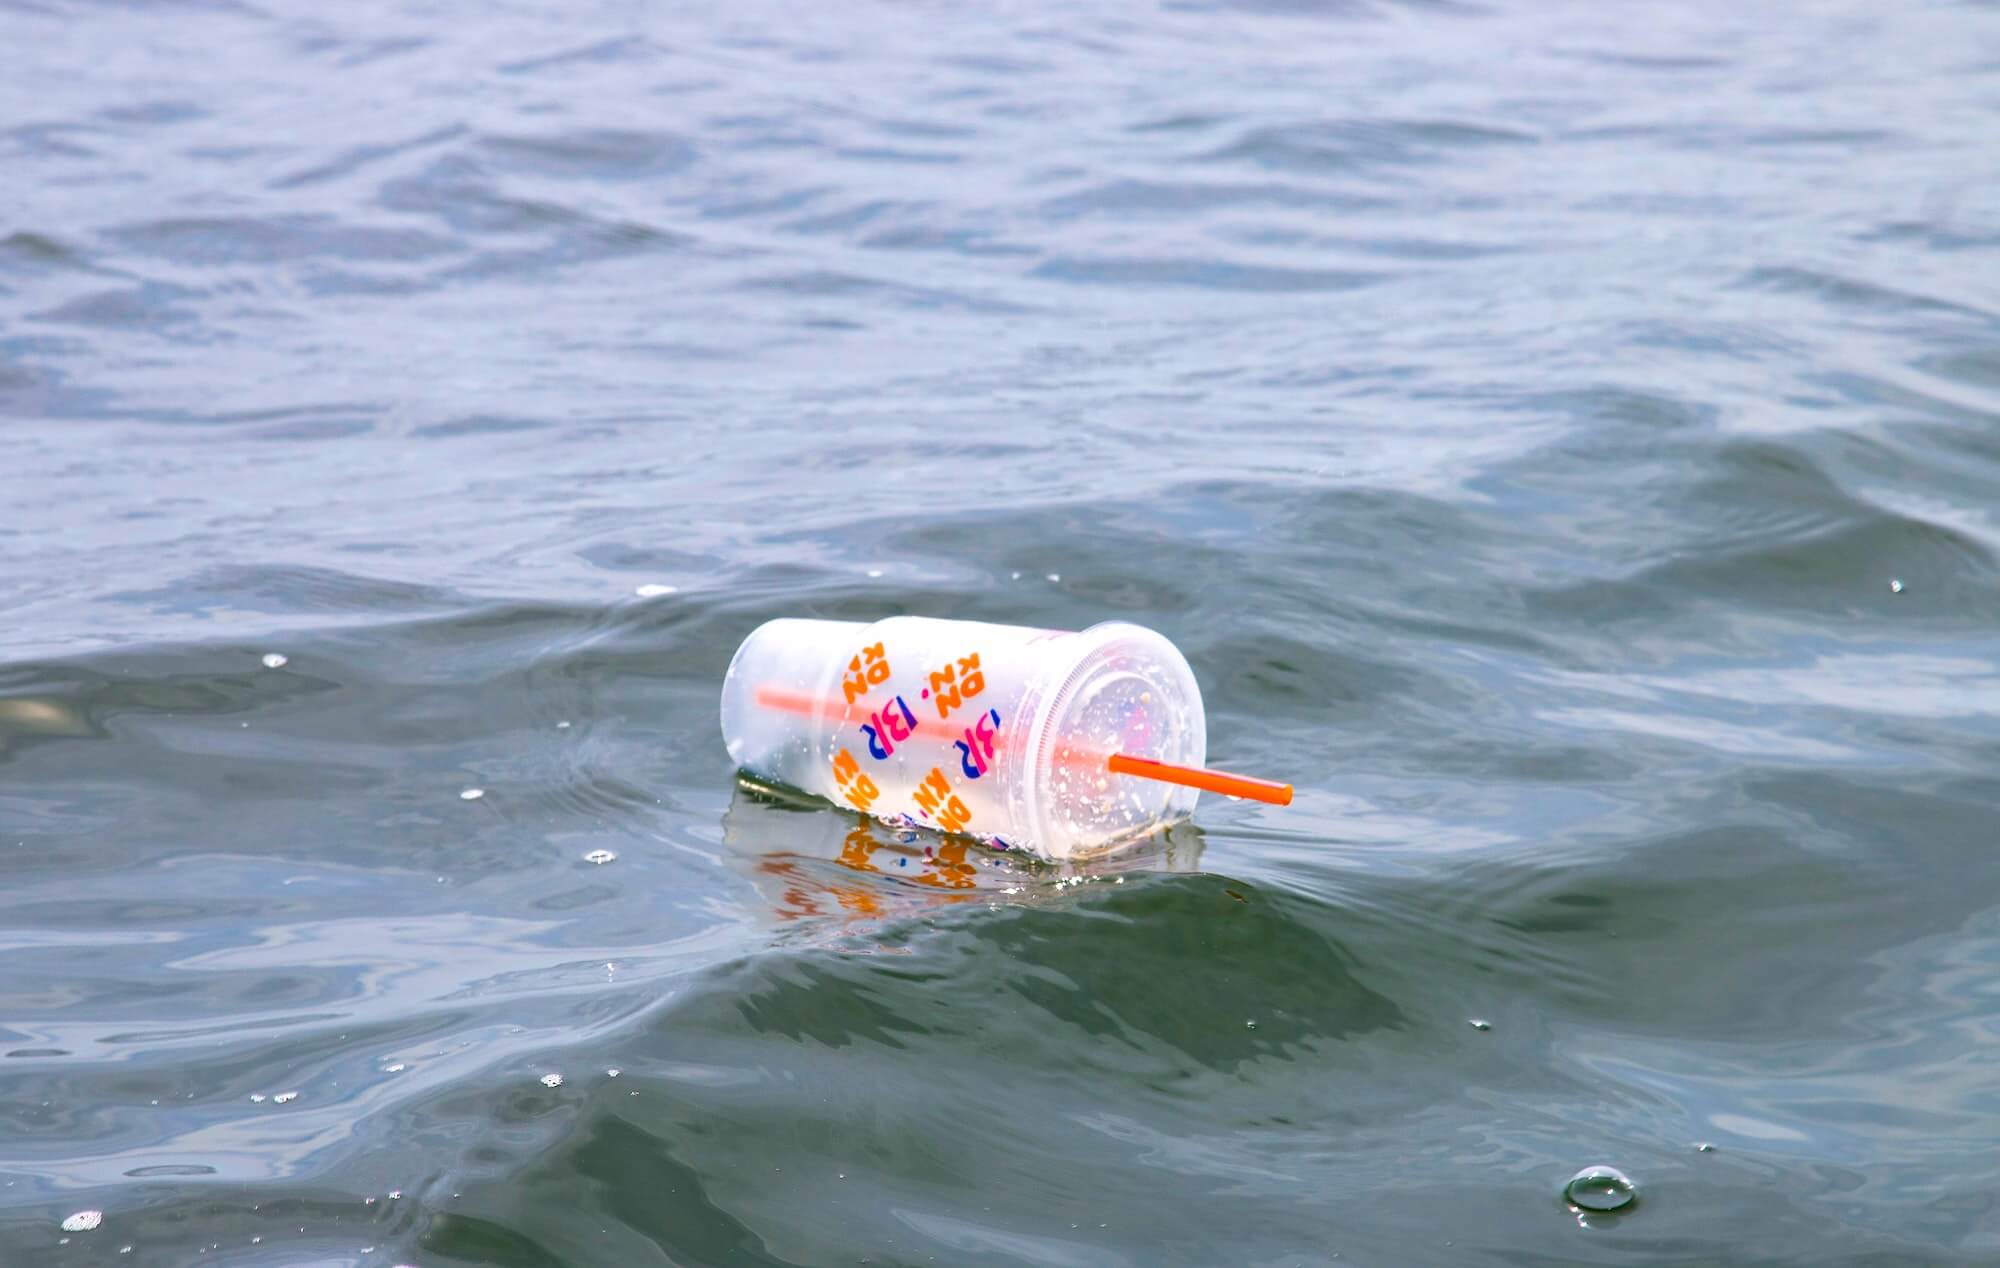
{"x": 792, "y": 702}
{"x": 1219, "y": 781}
{"x": 1245, "y": 786}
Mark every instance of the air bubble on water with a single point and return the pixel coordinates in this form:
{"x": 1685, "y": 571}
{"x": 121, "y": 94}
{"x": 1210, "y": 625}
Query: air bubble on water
{"x": 284, "y": 1098}
{"x": 601, "y": 857}
{"x": 552, "y": 1080}
{"x": 1895, "y": 585}
{"x": 1600, "y": 1188}
{"x": 472, "y": 794}
{"x": 275, "y": 660}
{"x": 83, "y": 1221}
{"x": 653, "y": 590}
{"x": 1479, "y": 1023}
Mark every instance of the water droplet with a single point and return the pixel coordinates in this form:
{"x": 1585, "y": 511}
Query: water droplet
{"x": 1479, "y": 1023}
{"x": 1600, "y": 1189}
{"x": 552, "y": 1080}
{"x": 601, "y": 857}
{"x": 83, "y": 1221}
{"x": 275, "y": 660}
{"x": 284, "y": 1098}
{"x": 472, "y": 794}
{"x": 1895, "y": 585}
{"x": 653, "y": 590}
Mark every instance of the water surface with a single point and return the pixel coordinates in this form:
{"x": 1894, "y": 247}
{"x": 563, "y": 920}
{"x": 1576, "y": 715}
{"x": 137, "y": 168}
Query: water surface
{"x": 1564, "y": 440}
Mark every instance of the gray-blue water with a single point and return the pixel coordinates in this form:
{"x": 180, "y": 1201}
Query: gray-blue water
{"x": 1564, "y": 438}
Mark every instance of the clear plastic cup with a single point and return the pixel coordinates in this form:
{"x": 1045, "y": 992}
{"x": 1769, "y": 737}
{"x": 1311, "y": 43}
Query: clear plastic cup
{"x": 996, "y": 731}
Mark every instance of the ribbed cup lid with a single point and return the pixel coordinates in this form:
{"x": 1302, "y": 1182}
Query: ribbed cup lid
{"x": 1128, "y": 690}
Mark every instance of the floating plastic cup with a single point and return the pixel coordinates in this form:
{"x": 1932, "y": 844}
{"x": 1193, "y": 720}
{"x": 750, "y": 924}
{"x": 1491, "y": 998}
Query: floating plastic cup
{"x": 1057, "y": 742}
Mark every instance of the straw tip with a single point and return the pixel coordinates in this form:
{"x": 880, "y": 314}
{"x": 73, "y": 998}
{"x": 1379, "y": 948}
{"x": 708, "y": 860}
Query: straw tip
{"x": 1246, "y": 786}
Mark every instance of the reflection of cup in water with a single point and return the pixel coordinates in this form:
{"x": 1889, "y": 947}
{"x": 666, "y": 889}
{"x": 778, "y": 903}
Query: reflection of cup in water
{"x": 809, "y": 864}
{"x": 996, "y": 731}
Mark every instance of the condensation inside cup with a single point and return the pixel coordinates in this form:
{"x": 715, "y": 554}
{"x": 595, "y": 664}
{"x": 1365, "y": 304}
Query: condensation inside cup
{"x": 1124, "y": 703}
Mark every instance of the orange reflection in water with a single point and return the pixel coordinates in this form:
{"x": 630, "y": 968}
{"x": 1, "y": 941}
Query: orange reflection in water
{"x": 807, "y": 892}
